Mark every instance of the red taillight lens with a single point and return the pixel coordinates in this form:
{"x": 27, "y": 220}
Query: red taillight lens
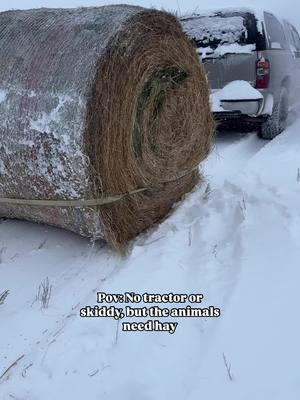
{"x": 262, "y": 73}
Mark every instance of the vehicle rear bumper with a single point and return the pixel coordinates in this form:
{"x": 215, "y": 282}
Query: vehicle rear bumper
{"x": 238, "y": 116}
{"x": 251, "y": 107}
{"x": 239, "y": 100}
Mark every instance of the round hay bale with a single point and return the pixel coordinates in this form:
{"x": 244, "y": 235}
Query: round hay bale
{"x": 96, "y": 104}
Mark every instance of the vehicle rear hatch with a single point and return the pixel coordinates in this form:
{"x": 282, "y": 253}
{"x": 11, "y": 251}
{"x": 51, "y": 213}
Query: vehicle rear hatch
{"x": 227, "y": 42}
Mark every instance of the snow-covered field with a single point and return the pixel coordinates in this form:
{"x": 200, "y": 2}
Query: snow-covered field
{"x": 235, "y": 240}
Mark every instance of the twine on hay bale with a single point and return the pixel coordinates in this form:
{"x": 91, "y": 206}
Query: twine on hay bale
{"x": 96, "y": 104}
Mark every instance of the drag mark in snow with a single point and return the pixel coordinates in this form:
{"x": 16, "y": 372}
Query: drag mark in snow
{"x": 231, "y": 155}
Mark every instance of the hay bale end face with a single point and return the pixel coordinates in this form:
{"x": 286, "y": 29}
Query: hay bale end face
{"x": 94, "y": 103}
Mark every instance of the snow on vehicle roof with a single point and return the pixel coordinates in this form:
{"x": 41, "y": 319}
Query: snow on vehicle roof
{"x": 258, "y": 12}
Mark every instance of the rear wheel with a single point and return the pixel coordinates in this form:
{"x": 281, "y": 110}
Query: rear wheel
{"x": 277, "y": 122}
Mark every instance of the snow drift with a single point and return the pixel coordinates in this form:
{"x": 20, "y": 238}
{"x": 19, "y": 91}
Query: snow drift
{"x": 104, "y": 118}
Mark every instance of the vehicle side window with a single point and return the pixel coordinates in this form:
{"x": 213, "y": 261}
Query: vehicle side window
{"x": 289, "y": 34}
{"x": 275, "y": 32}
{"x": 296, "y": 38}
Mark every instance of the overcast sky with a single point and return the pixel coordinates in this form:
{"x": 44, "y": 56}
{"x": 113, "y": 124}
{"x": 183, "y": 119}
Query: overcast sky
{"x": 288, "y": 8}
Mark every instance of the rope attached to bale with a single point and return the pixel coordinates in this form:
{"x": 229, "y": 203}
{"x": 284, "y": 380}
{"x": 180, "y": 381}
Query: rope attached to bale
{"x": 100, "y": 108}
{"x": 70, "y": 203}
{"x": 78, "y": 203}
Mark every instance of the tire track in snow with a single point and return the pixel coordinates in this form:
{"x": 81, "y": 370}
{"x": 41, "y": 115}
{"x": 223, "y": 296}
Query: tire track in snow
{"x": 232, "y": 152}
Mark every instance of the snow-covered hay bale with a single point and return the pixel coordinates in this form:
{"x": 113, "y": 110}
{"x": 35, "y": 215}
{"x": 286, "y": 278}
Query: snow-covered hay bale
{"x": 104, "y": 118}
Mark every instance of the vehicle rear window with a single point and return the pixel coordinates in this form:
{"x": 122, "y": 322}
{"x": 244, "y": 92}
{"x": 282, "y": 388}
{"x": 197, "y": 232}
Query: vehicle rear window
{"x": 221, "y": 28}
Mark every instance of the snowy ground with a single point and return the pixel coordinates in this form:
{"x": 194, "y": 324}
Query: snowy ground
{"x": 236, "y": 241}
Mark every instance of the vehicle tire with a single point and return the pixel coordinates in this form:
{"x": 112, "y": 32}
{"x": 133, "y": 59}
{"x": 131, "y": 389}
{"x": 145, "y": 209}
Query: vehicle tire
{"x": 277, "y": 122}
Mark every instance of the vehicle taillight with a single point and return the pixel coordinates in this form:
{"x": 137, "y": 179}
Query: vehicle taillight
{"x": 262, "y": 73}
